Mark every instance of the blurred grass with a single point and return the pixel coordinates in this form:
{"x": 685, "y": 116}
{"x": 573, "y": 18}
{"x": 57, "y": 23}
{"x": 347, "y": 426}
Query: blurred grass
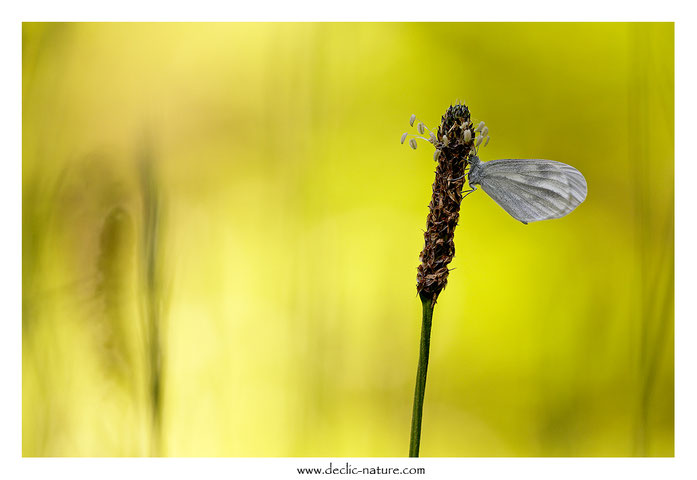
{"x": 294, "y": 224}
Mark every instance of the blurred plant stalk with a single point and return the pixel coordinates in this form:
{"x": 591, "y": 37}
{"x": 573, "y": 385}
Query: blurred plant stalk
{"x": 153, "y": 303}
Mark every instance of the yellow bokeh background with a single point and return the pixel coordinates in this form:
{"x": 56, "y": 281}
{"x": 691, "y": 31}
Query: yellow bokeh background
{"x": 240, "y": 190}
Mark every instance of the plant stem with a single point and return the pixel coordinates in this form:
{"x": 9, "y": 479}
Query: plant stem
{"x": 420, "y": 389}
{"x": 152, "y": 259}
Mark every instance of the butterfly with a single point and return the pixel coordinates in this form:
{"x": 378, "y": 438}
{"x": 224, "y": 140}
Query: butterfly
{"x": 529, "y": 190}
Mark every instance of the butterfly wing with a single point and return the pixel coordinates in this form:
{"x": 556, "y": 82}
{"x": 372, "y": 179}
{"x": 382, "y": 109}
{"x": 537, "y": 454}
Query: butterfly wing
{"x": 533, "y": 190}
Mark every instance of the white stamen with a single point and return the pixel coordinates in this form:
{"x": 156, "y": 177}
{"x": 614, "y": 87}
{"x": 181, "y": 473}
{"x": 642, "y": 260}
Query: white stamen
{"x": 404, "y": 137}
{"x": 435, "y": 155}
{"x": 433, "y": 138}
{"x": 411, "y": 120}
{"x": 420, "y": 128}
{"x": 485, "y": 131}
{"x": 479, "y": 127}
{"x": 412, "y": 143}
{"x": 479, "y": 141}
{"x": 468, "y": 136}
{"x": 487, "y": 140}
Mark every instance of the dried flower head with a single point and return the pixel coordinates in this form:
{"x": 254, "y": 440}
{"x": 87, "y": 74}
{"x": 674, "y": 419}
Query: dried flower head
{"x": 454, "y": 146}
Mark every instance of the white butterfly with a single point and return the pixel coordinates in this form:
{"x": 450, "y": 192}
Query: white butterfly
{"x": 529, "y": 190}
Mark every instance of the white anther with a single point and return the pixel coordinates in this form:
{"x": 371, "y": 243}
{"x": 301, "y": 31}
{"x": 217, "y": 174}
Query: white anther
{"x": 411, "y": 120}
{"x": 420, "y": 128}
{"x": 487, "y": 140}
{"x": 404, "y": 137}
{"x": 479, "y": 141}
{"x": 485, "y": 131}
{"x": 479, "y": 127}
{"x": 412, "y": 143}
{"x": 435, "y": 155}
{"x": 468, "y": 136}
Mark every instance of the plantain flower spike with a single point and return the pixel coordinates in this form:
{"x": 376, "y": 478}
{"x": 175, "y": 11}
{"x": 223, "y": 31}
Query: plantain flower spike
{"x": 453, "y": 150}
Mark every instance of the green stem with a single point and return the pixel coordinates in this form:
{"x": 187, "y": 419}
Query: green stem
{"x": 420, "y": 389}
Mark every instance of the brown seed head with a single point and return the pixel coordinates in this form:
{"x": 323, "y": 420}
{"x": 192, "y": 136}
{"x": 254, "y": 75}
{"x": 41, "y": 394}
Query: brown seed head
{"x": 439, "y": 248}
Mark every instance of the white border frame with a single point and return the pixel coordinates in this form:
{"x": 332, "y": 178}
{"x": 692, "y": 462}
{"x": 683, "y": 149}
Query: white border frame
{"x": 682, "y": 466}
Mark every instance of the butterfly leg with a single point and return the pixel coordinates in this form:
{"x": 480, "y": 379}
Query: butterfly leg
{"x": 450, "y": 180}
{"x": 469, "y": 191}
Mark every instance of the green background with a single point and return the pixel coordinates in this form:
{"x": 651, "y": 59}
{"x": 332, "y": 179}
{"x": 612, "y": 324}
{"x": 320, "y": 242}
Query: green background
{"x": 241, "y": 190}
